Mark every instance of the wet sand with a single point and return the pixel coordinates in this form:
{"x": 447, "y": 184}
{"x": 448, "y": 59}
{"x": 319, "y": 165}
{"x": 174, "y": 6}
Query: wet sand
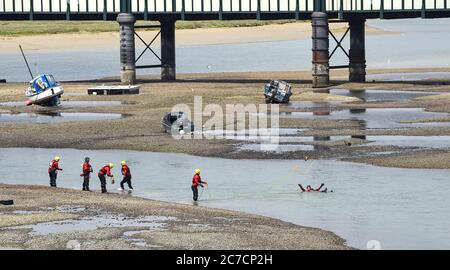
{"x": 186, "y": 227}
{"x": 185, "y": 37}
{"x": 141, "y": 130}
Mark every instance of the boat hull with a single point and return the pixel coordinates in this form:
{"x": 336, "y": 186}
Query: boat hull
{"x": 46, "y": 96}
{"x": 115, "y": 90}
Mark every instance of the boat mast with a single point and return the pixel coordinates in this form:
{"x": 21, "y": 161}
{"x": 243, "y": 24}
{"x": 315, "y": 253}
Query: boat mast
{"x": 26, "y": 62}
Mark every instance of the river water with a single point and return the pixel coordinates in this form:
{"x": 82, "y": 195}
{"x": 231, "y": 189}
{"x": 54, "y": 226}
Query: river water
{"x": 373, "y": 118}
{"x": 425, "y": 40}
{"x": 400, "y": 208}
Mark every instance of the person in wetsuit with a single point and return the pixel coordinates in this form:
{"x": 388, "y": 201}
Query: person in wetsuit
{"x": 105, "y": 170}
{"x": 310, "y": 189}
{"x": 86, "y": 173}
{"x": 53, "y": 170}
{"x": 197, "y": 181}
{"x": 126, "y": 176}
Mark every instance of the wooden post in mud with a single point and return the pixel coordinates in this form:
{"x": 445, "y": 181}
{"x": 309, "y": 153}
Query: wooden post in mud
{"x": 357, "y": 53}
{"x": 320, "y": 47}
{"x": 127, "y": 48}
{"x": 168, "y": 71}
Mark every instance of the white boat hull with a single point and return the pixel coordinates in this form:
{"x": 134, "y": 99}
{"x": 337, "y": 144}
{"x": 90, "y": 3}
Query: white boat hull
{"x": 46, "y": 95}
{"x": 114, "y": 89}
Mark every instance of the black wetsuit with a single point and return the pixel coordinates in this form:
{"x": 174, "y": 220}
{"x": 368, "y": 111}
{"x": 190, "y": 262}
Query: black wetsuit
{"x": 195, "y": 193}
{"x": 52, "y": 176}
{"x": 102, "y": 182}
{"x": 105, "y": 170}
{"x": 86, "y": 182}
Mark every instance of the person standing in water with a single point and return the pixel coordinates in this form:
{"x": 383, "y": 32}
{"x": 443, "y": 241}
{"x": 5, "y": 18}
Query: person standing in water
{"x": 105, "y": 170}
{"x": 196, "y": 181}
{"x": 86, "y": 174}
{"x": 126, "y": 176}
{"x": 53, "y": 170}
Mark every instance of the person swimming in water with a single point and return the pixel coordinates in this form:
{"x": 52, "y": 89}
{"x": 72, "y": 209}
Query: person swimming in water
{"x": 310, "y": 189}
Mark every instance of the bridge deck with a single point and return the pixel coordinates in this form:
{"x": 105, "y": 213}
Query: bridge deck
{"x": 219, "y": 9}
{"x": 195, "y": 16}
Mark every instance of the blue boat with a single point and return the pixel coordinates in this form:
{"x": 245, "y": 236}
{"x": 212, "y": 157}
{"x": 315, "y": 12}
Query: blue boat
{"x": 44, "y": 90}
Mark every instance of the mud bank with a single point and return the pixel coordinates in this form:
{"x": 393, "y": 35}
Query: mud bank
{"x": 111, "y": 221}
{"x": 141, "y": 129}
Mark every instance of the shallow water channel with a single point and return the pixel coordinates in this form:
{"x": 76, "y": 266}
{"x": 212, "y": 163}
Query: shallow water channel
{"x": 400, "y": 208}
{"x": 382, "y": 95}
{"x": 309, "y": 143}
{"x": 69, "y": 104}
{"x": 54, "y": 117}
{"x": 375, "y": 117}
{"x": 410, "y": 76}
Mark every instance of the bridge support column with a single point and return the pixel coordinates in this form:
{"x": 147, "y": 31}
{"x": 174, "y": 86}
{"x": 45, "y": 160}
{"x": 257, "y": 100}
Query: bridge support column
{"x": 320, "y": 46}
{"x": 127, "y": 50}
{"x": 357, "y": 53}
{"x": 168, "y": 71}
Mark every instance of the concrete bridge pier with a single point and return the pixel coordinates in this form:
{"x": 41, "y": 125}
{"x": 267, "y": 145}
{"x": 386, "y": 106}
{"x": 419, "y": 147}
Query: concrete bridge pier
{"x": 127, "y": 48}
{"x": 357, "y": 65}
{"x": 320, "y": 50}
{"x": 168, "y": 71}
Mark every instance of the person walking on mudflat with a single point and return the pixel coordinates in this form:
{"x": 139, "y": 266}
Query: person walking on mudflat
{"x": 105, "y": 170}
{"x": 86, "y": 174}
{"x": 53, "y": 170}
{"x": 197, "y": 181}
{"x": 126, "y": 176}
